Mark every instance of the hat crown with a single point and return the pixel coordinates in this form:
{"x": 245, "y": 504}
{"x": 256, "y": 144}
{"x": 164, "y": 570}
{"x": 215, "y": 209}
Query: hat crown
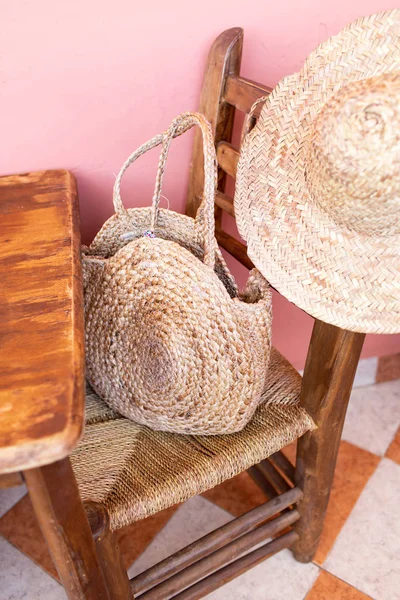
{"x": 352, "y": 162}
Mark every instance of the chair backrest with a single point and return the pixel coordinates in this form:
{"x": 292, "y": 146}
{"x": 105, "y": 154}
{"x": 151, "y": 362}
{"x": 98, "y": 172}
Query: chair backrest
{"x": 225, "y": 90}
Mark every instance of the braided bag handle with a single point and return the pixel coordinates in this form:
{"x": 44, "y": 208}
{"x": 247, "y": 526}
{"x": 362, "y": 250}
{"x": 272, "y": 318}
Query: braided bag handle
{"x": 205, "y": 213}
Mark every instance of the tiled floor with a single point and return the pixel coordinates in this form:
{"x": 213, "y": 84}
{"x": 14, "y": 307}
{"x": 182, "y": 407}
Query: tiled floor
{"x": 358, "y": 557}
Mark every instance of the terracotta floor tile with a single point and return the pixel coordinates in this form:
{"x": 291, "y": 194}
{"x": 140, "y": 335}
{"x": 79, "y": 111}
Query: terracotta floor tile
{"x": 237, "y": 495}
{"x": 393, "y": 452}
{"x": 19, "y": 527}
{"x": 388, "y": 368}
{"x": 353, "y": 470}
{"x": 328, "y": 587}
{"x": 240, "y": 494}
{"x": 366, "y": 552}
{"x": 135, "y": 538}
{"x": 290, "y": 452}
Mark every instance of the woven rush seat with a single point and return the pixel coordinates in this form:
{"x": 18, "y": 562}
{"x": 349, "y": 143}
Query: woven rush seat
{"x": 135, "y": 471}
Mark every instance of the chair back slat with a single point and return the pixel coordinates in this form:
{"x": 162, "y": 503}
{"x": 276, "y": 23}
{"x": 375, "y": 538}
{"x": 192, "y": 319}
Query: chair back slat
{"x": 225, "y": 202}
{"x": 234, "y": 247}
{"x": 242, "y": 93}
{"x": 228, "y": 158}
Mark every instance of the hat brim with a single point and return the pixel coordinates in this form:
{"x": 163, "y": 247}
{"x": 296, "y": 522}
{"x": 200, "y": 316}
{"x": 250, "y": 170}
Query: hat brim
{"x": 342, "y": 277}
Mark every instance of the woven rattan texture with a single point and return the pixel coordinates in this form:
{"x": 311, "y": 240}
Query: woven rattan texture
{"x": 318, "y": 187}
{"x": 135, "y": 471}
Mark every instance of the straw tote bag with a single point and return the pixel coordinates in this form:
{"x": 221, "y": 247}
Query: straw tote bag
{"x": 170, "y": 343}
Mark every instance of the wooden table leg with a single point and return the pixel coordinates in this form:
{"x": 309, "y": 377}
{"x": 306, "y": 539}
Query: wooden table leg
{"x": 328, "y": 378}
{"x": 62, "y": 519}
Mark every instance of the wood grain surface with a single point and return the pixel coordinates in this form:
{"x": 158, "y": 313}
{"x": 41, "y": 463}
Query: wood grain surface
{"x": 41, "y": 325}
{"x": 329, "y": 373}
{"x": 223, "y": 62}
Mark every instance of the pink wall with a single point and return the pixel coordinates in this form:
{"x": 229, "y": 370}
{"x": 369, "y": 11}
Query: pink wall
{"x": 82, "y": 83}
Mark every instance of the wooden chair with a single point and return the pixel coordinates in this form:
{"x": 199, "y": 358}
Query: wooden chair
{"x": 136, "y": 486}
{"x": 333, "y": 353}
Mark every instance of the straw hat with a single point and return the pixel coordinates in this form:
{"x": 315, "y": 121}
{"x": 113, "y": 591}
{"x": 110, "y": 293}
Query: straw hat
{"x": 318, "y": 183}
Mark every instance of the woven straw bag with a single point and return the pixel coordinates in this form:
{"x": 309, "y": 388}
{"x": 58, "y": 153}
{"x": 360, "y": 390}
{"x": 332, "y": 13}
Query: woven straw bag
{"x": 169, "y": 341}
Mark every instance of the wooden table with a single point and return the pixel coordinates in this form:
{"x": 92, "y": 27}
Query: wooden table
{"x": 42, "y": 364}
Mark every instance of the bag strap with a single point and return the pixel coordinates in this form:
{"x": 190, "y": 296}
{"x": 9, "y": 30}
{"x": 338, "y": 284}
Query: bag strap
{"x": 205, "y": 213}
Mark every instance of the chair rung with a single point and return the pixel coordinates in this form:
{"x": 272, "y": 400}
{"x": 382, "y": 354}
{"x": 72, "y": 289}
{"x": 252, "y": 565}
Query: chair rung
{"x": 261, "y": 482}
{"x": 284, "y": 465}
{"x": 236, "y": 568}
{"x": 242, "y": 93}
{"x": 219, "y": 559}
{"x": 273, "y": 476}
{"x": 234, "y": 247}
{"x": 225, "y": 202}
{"x": 228, "y": 158}
{"x": 213, "y": 541}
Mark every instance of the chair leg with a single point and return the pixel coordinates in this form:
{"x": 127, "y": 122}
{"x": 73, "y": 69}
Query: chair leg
{"x": 61, "y": 516}
{"x": 108, "y": 552}
{"x": 328, "y": 378}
